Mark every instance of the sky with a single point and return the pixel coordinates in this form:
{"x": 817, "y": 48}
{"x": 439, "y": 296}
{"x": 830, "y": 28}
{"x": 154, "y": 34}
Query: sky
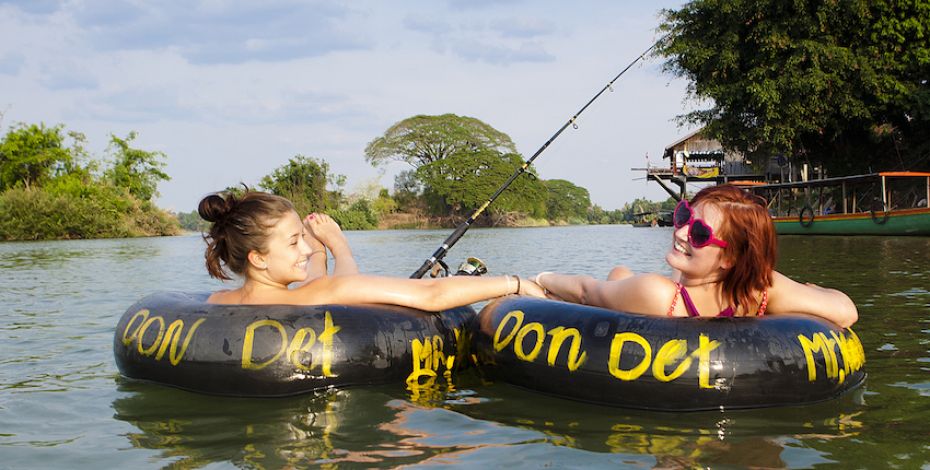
{"x": 230, "y": 90}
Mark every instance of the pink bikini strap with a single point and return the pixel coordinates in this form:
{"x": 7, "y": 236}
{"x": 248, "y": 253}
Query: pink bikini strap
{"x": 765, "y": 302}
{"x": 671, "y": 309}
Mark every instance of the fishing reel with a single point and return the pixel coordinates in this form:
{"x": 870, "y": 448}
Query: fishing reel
{"x": 470, "y": 267}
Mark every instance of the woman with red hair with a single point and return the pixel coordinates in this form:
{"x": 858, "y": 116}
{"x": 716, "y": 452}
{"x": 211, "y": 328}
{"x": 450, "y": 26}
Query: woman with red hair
{"x": 723, "y": 259}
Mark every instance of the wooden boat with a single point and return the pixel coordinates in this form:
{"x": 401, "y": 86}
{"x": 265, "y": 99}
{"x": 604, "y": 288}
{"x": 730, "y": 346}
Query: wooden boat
{"x": 885, "y": 203}
{"x": 660, "y": 218}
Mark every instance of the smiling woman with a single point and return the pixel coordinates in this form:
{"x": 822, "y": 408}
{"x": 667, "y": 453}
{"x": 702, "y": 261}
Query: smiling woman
{"x": 260, "y": 237}
{"x": 267, "y": 339}
{"x": 723, "y": 255}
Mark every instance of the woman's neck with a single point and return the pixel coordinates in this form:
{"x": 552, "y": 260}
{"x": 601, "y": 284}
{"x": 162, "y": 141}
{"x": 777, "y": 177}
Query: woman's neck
{"x": 255, "y": 288}
{"x": 705, "y": 288}
{"x": 700, "y": 282}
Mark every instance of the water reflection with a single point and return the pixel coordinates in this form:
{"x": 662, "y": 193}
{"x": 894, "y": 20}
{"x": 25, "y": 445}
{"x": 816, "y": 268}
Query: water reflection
{"x": 757, "y": 438}
{"x": 193, "y": 430}
{"x": 359, "y": 427}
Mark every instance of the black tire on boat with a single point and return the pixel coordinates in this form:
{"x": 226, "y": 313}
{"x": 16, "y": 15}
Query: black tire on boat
{"x": 806, "y": 220}
{"x": 878, "y": 207}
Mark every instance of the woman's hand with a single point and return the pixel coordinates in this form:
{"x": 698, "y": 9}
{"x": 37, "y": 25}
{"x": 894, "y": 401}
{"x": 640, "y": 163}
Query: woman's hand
{"x": 317, "y": 259}
{"x": 312, "y": 241}
{"x": 537, "y": 279}
{"x": 530, "y": 288}
{"x": 327, "y": 231}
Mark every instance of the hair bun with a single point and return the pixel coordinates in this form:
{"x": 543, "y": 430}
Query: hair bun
{"x": 214, "y": 208}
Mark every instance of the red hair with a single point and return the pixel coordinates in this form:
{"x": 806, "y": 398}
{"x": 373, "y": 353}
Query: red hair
{"x": 750, "y": 234}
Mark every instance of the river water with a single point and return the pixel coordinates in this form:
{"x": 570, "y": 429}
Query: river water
{"x": 63, "y": 404}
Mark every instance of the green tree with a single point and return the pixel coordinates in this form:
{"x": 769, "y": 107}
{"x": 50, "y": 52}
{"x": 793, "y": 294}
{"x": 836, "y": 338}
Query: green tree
{"x": 137, "y": 170}
{"x": 32, "y": 154}
{"x": 407, "y": 190}
{"x": 305, "y": 181}
{"x": 844, "y": 83}
{"x": 463, "y": 181}
{"x": 384, "y": 203}
{"x": 566, "y": 201}
{"x": 191, "y": 221}
{"x": 420, "y": 140}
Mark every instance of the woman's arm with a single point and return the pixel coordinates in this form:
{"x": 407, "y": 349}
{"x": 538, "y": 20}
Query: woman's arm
{"x": 788, "y": 296}
{"x": 317, "y": 259}
{"x": 648, "y": 294}
{"x": 424, "y": 294}
{"x": 327, "y": 231}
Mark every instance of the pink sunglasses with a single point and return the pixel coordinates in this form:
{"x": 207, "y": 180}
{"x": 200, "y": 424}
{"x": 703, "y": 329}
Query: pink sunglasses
{"x": 699, "y": 233}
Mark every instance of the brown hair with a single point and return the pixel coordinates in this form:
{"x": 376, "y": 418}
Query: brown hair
{"x": 750, "y": 234}
{"x": 240, "y": 224}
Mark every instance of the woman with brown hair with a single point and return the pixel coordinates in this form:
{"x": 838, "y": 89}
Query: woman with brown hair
{"x": 723, "y": 258}
{"x": 261, "y": 237}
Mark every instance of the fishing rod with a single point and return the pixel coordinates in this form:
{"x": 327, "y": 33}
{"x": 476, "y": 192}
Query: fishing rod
{"x": 443, "y": 249}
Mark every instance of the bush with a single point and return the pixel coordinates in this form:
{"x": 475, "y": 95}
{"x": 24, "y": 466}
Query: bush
{"x": 38, "y": 214}
{"x": 359, "y": 216}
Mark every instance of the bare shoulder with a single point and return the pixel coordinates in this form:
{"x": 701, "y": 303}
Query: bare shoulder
{"x": 225, "y": 296}
{"x": 647, "y": 293}
{"x": 654, "y": 283}
{"x": 785, "y": 286}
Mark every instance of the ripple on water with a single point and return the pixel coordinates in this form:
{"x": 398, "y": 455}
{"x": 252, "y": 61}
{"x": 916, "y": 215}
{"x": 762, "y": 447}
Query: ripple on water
{"x": 923, "y": 388}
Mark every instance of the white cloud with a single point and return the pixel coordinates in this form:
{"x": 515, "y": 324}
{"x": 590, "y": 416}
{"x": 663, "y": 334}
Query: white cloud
{"x": 231, "y": 90}
{"x": 523, "y": 27}
{"x": 217, "y": 32}
{"x": 501, "y": 54}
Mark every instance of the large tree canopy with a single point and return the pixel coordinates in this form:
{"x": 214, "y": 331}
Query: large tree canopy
{"x": 844, "y": 83}
{"x": 420, "y": 140}
{"x": 566, "y": 200}
{"x": 461, "y": 182}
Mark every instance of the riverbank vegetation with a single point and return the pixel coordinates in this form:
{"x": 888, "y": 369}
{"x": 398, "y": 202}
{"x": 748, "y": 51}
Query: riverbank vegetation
{"x": 51, "y": 188}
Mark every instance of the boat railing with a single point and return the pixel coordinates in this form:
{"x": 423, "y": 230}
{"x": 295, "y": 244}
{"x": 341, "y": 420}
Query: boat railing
{"x": 878, "y": 192}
